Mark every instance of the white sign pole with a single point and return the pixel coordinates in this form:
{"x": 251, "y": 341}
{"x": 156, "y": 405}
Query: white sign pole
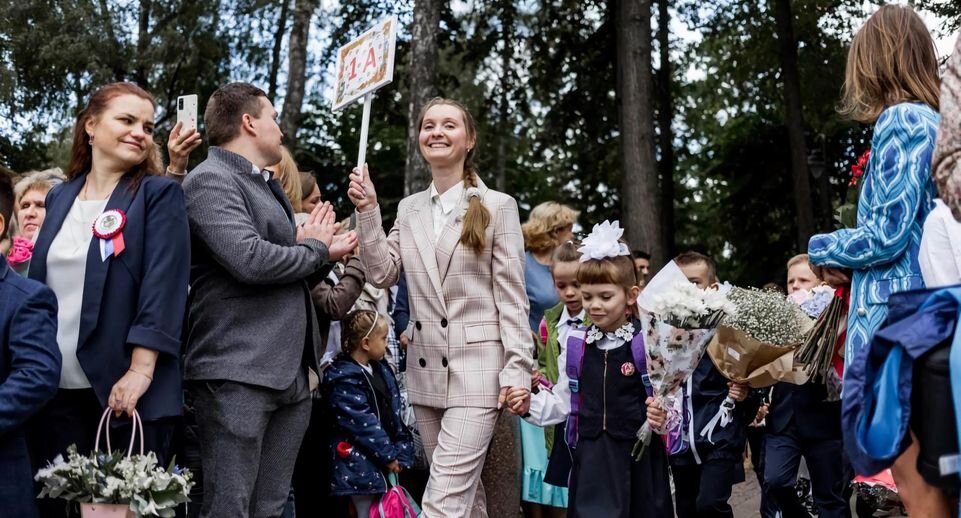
{"x": 364, "y": 127}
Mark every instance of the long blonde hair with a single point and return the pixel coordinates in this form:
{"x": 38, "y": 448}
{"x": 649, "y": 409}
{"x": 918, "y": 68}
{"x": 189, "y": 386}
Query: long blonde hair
{"x": 478, "y": 217}
{"x": 892, "y": 59}
{"x": 289, "y": 178}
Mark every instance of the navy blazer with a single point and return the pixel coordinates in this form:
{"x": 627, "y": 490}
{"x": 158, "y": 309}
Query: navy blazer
{"x": 137, "y": 298}
{"x": 805, "y": 407}
{"x": 29, "y": 375}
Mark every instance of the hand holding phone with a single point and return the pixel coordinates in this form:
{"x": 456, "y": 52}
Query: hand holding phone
{"x": 187, "y": 112}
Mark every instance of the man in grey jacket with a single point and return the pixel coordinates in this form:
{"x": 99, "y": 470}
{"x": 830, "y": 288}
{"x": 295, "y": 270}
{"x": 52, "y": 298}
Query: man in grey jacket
{"x": 252, "y": 335}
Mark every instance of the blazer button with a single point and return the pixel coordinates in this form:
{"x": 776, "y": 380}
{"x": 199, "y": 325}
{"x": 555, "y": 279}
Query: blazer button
{"x": 422, "y": 362}
{"x": 443, "y": 361}
{"x": 862, "y": 312}
{"x": 417, "y": 325}
{"x": 443, "y": 322}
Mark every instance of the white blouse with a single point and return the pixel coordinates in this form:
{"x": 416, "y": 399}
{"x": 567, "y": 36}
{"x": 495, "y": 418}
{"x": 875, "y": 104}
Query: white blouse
{"x": 66, "y": 271}
{"x": 940, "y": 253}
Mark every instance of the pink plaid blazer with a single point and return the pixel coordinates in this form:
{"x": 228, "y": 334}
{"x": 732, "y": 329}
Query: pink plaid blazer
{"x": 468, "y": 328}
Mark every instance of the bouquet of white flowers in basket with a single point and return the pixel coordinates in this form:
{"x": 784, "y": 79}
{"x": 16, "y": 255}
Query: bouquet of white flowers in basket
{"x": 114, "y": 484}
{"x": 678, "y": 320}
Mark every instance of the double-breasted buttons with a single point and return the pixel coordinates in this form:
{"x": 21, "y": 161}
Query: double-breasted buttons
{"x": 443, "y": 361}
{"x": 422, "y": 362}
{"x": 417, "y": 325}
{"x": 443, "y": 322}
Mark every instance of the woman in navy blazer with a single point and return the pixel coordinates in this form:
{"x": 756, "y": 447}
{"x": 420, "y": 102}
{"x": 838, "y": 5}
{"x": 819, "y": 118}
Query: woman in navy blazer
{"x": 122, "y": 308}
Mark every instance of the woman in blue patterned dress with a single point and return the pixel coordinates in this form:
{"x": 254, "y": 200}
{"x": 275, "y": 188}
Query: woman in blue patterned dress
{"x": 891, "y": 81}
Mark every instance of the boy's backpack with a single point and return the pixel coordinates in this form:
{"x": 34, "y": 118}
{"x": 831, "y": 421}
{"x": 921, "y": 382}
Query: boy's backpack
{"x": 576, "y": 342}
{"x": 395, "y": 503}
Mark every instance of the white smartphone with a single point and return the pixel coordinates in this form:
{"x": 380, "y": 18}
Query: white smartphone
{"x": 187, "y": 112}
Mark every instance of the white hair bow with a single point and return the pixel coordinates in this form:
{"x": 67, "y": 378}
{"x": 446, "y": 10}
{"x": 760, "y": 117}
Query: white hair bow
{"x": 603, "y": 242}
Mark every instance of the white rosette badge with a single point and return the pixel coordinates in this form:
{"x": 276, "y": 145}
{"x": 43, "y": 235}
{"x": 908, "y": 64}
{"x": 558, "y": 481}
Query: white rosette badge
{"x": 108, "y": 228}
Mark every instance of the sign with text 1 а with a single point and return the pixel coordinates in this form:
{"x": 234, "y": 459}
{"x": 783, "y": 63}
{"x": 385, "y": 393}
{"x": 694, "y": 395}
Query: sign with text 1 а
{"x": 366, "y": 63}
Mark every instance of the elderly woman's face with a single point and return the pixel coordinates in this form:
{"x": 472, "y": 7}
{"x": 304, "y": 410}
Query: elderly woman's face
{"x": 31, "y": 211}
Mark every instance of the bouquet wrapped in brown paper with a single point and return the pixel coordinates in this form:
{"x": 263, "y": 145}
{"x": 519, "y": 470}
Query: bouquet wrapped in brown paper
{"x": 754, "y": 345}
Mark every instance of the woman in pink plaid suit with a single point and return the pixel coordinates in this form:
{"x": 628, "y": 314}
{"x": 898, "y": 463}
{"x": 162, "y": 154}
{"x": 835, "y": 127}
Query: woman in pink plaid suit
{"x": 460, "y": 246}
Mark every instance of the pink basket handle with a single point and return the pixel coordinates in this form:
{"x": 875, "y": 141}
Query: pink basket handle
{"x": 136, "y": 427}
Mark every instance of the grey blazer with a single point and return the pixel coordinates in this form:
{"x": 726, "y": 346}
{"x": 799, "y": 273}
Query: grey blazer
{"x": 250, "y": 317}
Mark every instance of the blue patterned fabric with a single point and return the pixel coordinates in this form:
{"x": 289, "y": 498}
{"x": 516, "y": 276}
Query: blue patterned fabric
{"x": 897, "y": 194}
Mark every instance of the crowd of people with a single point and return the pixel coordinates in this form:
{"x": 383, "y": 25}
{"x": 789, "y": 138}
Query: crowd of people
{"x": 301, "y": 363}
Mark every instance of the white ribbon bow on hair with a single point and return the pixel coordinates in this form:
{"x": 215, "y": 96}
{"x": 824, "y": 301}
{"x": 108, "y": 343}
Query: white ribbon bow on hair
{"x": 603, "y": 242}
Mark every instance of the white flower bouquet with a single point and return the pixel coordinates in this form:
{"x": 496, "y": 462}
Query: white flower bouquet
{"x": 106, "y": 484}
{"x": 678, "y": 321}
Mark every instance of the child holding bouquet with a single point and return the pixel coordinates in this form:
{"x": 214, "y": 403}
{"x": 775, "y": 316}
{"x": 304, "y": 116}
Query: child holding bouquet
{"x": 370, "y": 437}
{"x": 609, "y": 392}
{"x": 706, "y": 472}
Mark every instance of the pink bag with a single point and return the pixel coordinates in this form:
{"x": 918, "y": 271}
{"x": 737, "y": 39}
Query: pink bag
{"x": 395, "y": 503}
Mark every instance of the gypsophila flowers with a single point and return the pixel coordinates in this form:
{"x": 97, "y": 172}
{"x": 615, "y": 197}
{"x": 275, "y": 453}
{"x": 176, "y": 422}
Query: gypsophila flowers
{"x": 765, "y": 316}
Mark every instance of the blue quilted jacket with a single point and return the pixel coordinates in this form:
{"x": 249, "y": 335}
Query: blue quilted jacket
{"x": 374, "y": 440}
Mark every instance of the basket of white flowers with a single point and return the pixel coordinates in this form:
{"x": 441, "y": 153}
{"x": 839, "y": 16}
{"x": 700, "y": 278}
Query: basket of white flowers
{"x": 112, "y": 484}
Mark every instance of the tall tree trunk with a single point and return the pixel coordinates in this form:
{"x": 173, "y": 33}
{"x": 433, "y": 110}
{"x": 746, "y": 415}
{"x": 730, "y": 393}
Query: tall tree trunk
{"x": 423, "y": 79}
{"x": 635, "y": 91}
{"x": 665, "y": 115}
{"x": 800, "y": 176}
{"x": 504, "y": 131}
{"x": 143, "y": 43}
{"x": 296, "y": 69}
{"x": 275, "y": 51}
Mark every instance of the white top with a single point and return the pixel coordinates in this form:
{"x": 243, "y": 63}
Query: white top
{"x": 550, "y": 407}
{"x": 940, "y": 253}
{"x": 66, "y": 271}
{"x": 442, "y": 205}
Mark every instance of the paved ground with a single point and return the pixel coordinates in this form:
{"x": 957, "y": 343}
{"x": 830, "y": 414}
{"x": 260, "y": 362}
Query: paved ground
{"x": 746, "y": 496}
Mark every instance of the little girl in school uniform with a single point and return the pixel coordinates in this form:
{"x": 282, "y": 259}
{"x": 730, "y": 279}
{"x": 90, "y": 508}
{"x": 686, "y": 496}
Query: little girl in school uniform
{"x": 609, "y": 399}
{"x": 370, "y": 438}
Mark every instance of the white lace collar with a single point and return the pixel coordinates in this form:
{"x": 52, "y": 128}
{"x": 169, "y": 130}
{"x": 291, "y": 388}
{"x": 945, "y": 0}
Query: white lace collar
{"x": 625, "y": 333}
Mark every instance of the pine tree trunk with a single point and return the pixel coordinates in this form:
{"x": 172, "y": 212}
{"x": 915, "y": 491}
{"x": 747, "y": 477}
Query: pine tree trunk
{"x": 423, "y": 78}
{"x": 665, "y": 115}
{"x": 800, "y": 176}
{"x": 635, "y": 89}
{"x": 143, "y": 42}
{"x": 275, "y": 51}
{"x": 296, "y": 70}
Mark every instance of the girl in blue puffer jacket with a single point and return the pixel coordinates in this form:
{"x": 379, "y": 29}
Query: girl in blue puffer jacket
{"x": 370, "y": 438}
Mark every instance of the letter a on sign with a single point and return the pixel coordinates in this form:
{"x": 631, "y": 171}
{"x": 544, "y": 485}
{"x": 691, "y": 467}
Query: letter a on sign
{"x": 371, "y": 61}
{"x": 366, "y": 63}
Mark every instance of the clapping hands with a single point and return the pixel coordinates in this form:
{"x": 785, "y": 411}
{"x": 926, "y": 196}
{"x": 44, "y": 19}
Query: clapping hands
{"x": 322, "y": 225}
